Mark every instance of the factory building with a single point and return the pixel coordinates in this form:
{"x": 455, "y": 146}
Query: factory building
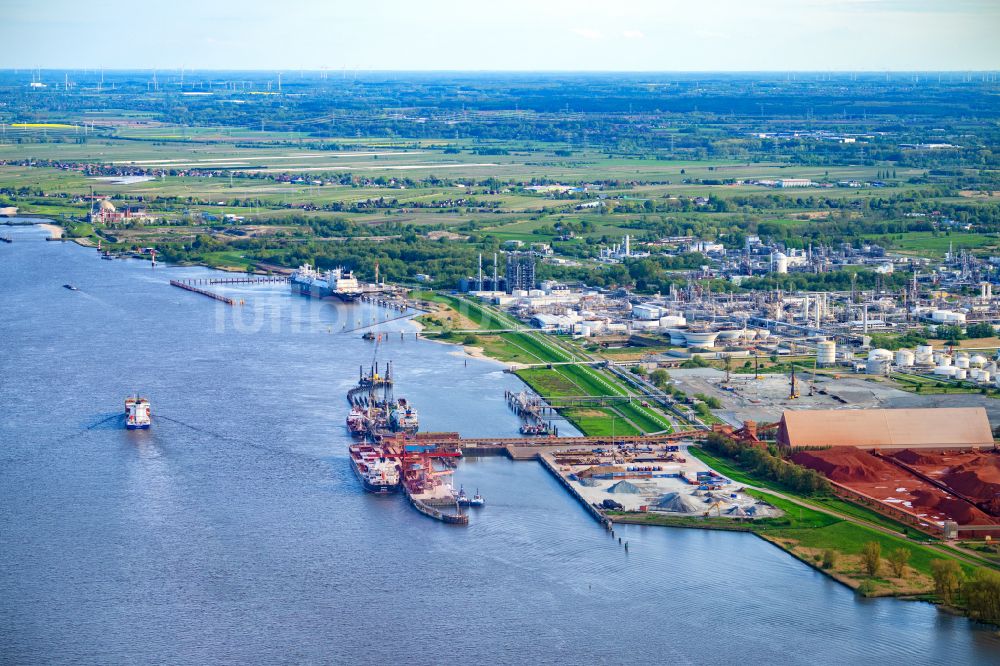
{"x": 520, "y": 272}
{"x": 945, "y": 428}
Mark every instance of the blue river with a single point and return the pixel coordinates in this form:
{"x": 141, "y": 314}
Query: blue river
{"x": 234, "y": 531}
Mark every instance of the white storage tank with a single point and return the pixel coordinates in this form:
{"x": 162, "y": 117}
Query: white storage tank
{"x": 985, "y": 377}
{"x": 942, "y": 359}
{"x": 962, "y": 361}
{"x": 975, "y": 374}
{"x": 876, "y": 366}
{"x": 977, "y": 360}
{"x": 672, "y": 321}
{"x": 763, "y": 334}
{"x": 780, "y": 261}
{"x": 960, "y": 373}
{"x": 880, "y": 354}
{"x": 944, "y": 371}
{"x": 924, "y": 355}
{"x": 826, "y": 352}
{"x": 904, "y": 358}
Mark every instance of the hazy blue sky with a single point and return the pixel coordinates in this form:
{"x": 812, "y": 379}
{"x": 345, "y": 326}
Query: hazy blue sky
{"x": 668, "y": 35}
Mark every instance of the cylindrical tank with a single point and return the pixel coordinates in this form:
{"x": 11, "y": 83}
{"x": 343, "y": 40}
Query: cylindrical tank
{"x": 985, "y": 377}
{"x": 924, "y": 355}
{"x": 826, "y": 352}
{"x": 904, "y": 358}
{"x": 677, "y": 338}
{"x": 962, "y": 361}
{"x": 944, "y": 370}
{"x": 880, "y": 354}
{"x": 780, "y": 262}
{"x": 875, "y": 366}
{"x": 763, "y": 334}
{"x": 977, "y": 360}
{"x": 960, "y": 373}
{"x": 942, "y": 359}
{"x": 671, "y": 321}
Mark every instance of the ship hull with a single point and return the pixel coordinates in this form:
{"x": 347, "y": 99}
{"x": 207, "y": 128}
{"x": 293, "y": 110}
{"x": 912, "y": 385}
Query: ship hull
{"x": 374, "y": 488}
{"x": 310, "y": 290}
{"x": 140, "y": 426}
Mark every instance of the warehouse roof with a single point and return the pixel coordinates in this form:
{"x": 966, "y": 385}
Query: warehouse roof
{"x": 962, "y": 427}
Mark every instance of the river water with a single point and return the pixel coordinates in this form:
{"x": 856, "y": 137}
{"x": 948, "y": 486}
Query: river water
{"x": 234, "y": 531}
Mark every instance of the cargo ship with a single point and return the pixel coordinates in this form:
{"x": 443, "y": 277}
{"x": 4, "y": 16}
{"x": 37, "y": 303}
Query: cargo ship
{"x": 403, "y": 417}
{"x": 138, "y": 415}
{"x": 339, "y": 283}
{"x": 377, "y": 473}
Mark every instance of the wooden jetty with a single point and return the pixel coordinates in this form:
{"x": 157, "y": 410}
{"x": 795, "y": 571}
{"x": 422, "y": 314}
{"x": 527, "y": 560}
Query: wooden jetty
{"x": 249, "y": 279}
{"x": 203, "y": 292}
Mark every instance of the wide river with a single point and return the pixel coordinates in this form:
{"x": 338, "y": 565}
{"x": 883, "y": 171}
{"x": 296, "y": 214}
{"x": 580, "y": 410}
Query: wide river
{"x": 234, "y": 531}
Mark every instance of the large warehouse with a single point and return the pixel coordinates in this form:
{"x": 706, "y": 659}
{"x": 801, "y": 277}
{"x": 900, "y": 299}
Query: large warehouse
{"x": 945, "y": 428}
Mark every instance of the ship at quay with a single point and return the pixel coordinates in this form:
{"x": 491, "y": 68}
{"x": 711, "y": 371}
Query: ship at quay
{"x": 393, "y": 456}
{"x": 338, "y": 282}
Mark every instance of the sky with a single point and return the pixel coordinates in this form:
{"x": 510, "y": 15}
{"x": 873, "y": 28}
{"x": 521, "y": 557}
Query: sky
{"x": 516, "y": 35}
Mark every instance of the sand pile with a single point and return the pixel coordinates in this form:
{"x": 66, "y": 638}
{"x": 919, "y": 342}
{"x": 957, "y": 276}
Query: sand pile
{"x": 911, "y": 457}
{"x": 978, "y": 479}
{"x": 845, "y": 464}
{"x": 624, "y": 487}
{"x": 958, "y": 510}
{"x": 680, "y": 503}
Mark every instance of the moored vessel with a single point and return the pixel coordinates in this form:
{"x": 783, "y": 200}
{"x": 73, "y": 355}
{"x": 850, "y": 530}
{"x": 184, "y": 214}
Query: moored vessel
{"x": 356, "y": 422}
{"x": 377, "y": 473}
{"x": 338, "y": 282}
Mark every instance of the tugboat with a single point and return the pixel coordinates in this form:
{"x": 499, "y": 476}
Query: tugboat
{"x": 70, "y": 287}
{"x": 137, "y": 413}
{"x": 465, "y": 500}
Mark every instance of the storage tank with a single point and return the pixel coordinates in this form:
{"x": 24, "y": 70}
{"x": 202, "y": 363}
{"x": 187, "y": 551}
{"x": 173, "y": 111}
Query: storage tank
{"x": 985, "y": 377}
{"x": 944, "y": 371}
{"x": 977, "y": 360}
{"x": 904, "y": 358}
{"x": 975, "y": 374}
{"x": 876, "y": 366}
{"x": 880, "y": 354}
{"x": 672, "y": 321}
{"x": 763, "y": 334}
{"x": 962, "y": 361}
{"x": 585, "y": 331}
{"x": 826, "y": 352}
{"x": 960, "y": 373}
{"x": 677, "y": 338}
{"x": 730, "y": 335}
{"x": 942, "y": 359}
{"x": 780, "y": 262}
{"x": 924, "y": 355}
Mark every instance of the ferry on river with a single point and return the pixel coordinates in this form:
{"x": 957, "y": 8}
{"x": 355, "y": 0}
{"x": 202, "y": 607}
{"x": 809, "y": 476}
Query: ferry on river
{"x": 138, "y": 415}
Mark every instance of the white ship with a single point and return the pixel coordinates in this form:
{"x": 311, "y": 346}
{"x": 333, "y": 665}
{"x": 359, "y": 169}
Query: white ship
{"x": 339, "y": 282}
{"x": 138, "y": 415}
